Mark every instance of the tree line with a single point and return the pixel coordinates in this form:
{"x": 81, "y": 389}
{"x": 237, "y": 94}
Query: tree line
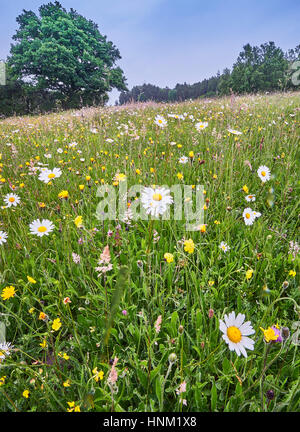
{"x": 257, "y": 69}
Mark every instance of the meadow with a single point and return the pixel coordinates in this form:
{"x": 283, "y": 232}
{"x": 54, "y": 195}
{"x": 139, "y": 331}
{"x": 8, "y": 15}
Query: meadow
{"x": 137, "y": 315}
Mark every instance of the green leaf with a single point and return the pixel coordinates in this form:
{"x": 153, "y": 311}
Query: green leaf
{"x": 213, "y": 397}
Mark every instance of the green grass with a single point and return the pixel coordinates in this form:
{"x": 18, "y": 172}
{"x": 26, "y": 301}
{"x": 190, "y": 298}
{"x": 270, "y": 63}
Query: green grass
{"x": 94, "y": 330}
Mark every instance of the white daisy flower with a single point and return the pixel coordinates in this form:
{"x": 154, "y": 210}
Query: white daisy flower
{"x": 256, "y": 214}
{"x": 11, "y": 200}
{"x": 41, "y": 228}
{"x": 250, "y": 198}
{"x": 47, "y": 175}
{"x": 59, "y": 150}
{"x": 3, "y": 237}
{"x": 183, "y": 160}
{"x": 5, "y": 348}
{"x": 234, "y": 132}
{"x": 224, "y": 246}
{"x": 264, "y": 173}
{"x": 160, "y": 121}
{"x": 155, "y": 201}
{"x": 235, "y": 333}
{"x": 48, "y": 155}
{"x": 201, "y": 125}
{"x": 249, "y": 216}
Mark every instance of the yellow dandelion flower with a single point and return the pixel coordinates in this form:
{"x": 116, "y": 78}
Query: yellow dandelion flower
{"x": 8, "y": 292}
{"x": 78, "y": 221}
{"x": 31, "y": 280}
{"x": 63, "y": 194}
{"x": 269, "y": 334}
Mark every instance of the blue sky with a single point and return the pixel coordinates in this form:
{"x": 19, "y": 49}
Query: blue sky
{"x": 169, "y": 41}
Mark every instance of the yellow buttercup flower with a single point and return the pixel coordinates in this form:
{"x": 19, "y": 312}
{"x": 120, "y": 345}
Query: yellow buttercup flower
{"x": 249, "y": 274}
{"x": 25, "y": 394}
{"x": 73, "y": 407}
{"x": 44, "y": 343}
{"x": 56, "y": 325}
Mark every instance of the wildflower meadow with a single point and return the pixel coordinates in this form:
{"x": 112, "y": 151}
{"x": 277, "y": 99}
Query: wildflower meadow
{"x": 149, "y": 309}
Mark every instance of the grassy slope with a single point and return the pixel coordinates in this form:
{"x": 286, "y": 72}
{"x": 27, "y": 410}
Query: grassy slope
{"x": 141, "y": 282}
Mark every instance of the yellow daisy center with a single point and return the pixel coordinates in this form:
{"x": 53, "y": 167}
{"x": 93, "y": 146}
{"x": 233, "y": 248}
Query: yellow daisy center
{"x": 157, "y": 197}
{"x": 42, "y": 229}
{"x": 159, "y": 121}
{"x": 234, "y": 334}
{"x": 11, "y": 199}
{"x": 263, "y": 173}
{"x": 248, "y": 215}
{"x": 51, "y": 175}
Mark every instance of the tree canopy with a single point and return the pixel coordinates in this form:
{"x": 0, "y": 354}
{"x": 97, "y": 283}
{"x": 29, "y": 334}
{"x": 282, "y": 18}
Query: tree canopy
{"x": 64, "y": 52}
